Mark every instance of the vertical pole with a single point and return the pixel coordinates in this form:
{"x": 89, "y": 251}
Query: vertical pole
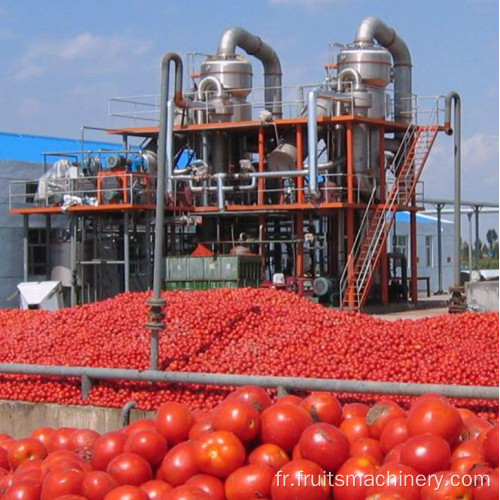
{"x": 413, "y": 253}
{"x": 300, "y": 164}
{"x": 439, "y": 207}
{"x": 299, "y": 268}
{"x": 261, "y": 184}
{"x": 48, "y": 245}
{"x": 25, "y": 248}
{"x": 148, "y": 249}
{"x": 469, "y": 215}
{"x": 477, "y": 209}
{"x": 126, "y": 250}
{"x": 384, "y": 275}
{"x": 350, "y": 214}
{"x": 73, "y": 244}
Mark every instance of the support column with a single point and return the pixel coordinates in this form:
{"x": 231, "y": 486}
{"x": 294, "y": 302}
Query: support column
{"x": 350, "y": 214}
{"x": 261, "y": 183}
{"x": 384, "y": 275}
{"x": 300, "y": 163}
{"x": 26, "y": 255}
{"x": 148, "y": 250}
{"x": 126, "y": 250}
{"x": 299, "y": 269}
{"x": 469, "y": 215}
{"x": 477, "y": 253}
{"x": 439, "y": 291}
{"x": 48, "y": 245}
{"x": 73, "y": 260}
{"x": 413, "y": 254}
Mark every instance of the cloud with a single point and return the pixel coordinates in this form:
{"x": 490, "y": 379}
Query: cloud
{"x": 478, "y": 151}
{"x": 92, "y": 54}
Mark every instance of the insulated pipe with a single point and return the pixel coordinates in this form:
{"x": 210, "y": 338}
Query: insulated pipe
{"x": 454, "y": 96}
{"x": 372, "y": 29}
{"x": 349, "y": 74}
{"x": 222, "y": 379}
{"x": 254, "y": 46}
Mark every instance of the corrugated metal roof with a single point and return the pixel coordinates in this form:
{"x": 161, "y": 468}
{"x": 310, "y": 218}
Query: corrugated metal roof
{"x": 421, "y": 218}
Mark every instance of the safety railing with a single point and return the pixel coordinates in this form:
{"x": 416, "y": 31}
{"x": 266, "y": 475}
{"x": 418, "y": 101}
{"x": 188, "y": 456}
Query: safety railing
{"x": 103, "y": 189}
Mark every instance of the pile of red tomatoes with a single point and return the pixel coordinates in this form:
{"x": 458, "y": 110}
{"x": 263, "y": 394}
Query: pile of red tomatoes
{"x": 248, "y": 447}
{"x": 243, "y": 331}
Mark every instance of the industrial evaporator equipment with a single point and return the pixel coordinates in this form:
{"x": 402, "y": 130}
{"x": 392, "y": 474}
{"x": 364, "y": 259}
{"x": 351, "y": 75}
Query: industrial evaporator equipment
{"x": 304, "y": 180}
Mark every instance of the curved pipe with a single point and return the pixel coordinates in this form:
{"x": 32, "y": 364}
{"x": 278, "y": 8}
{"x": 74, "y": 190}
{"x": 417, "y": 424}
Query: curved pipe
{"x": 254, "y": 46}
{"x": 454, "y": 96}
{"x": 350, "y": 75}
{"x": 372, "y": 29}
{"x": 208, "y": 82}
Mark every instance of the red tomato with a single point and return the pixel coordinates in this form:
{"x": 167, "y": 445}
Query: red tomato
{"x": 66, "y": 482}
{"x": 351, "y": 480}
{"x": 149, "y": 444}
{"x": 58, "y": 440}
{"x": 426, "y": 453}
{"x": 486, "y": 484}
{"x": 156, "y": 490}
{"x": 107, "y": 447}
{"x": 394, "y": 433}
{"x": 465, "y": 465}
{"x": 209, "y": 484}
{"x": 323, "y": 407}
{"x": 126, "y": 493}
{"x": 219, "y": 453}
{"x": 470, "y": 448}
{"x": 249, "y": 482}
{"x": 129, "y": 468}
{"x": 25, "y": 449}
{"x": 43, "y": 434}
{"x": 200, "y": 427}
{"x": 270, "y": 455}
{"x": 82, "y": 443}
{"x": 188, "y": 492}
{"x": 179, "y": 464}
{"x": 446, "y": 485}
{"x": 396, "y": 479}
{"x": 4, "y": 459}
{"x": 354, "y": 410}
{"x": 367, "y": 447}
{"x": 256, "y": 396}
{"x": 282, "y": 425}
{"x": 238, "y": 417}
{"x": 355, "y": 428}
{"x": 436, "y": 415}
{"x": 97, "y": 484}
{"x": 300, "y": 479}
{"x": 477, "y": 428}
{"x": 141, "y": 424}
{"x": 61, "y": 460}
{"x": 490, "y": 446}
{"x": 174, "y": 420}
{"x": 290, "y": 399}
{"x": 380, "y": 415}
{"x": 325, "y": 445}
{"x": 23, "y": 490}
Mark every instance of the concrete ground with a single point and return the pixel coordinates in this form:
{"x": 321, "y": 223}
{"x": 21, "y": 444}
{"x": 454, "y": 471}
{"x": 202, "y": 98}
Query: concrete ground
{"x": 416, "y": 314}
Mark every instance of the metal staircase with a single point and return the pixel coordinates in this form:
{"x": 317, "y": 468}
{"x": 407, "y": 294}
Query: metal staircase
{"x": 408, "y": 165}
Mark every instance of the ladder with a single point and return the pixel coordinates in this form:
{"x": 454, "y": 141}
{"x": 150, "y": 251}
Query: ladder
{"x": 364, "y": 257}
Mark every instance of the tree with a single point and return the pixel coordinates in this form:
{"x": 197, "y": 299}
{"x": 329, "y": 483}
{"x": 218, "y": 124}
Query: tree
{"x": 491, "y": 238}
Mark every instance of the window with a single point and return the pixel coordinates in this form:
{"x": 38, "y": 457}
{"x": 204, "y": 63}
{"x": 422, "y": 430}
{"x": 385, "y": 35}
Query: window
{"x": 429, "y": 260}
{"x": 401, "y": 244}
{"x": 37, "y": 248}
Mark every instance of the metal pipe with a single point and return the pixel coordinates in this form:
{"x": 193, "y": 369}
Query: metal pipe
{"x": 221, "y": 202}
{"x": 439, "y": 207}
{"x": 477, "y": 249}
{"x": 371, "y": 29}
{"x": 25, "y": 247}
{"x": 126, "y": 250}
{"x": 454, "y": 96}
{"x": 222, "y": 379}
{"x": 254, "y": 46}
{"x": 349, "y": 74}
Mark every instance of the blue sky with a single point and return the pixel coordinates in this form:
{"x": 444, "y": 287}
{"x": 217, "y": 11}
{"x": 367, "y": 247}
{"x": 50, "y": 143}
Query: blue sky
{"x": 62, "y": 60}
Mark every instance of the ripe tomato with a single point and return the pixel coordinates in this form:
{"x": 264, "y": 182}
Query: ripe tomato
{"x": 355, "y": 428}
{"x": 97, "y": 484}
{"x": 394, "y": 433}
{"x": 381, "y": 414}
{"x": 289, "y": 399}
{"x": 238, "y": 417}
{"x": 352, "y": 479}
{"x": 188, "y": 492}
{"x": 23, "y": 490}
{"x": 354, "y": 410}
{"x": 256, "y": 396}
{"x": 209, "y": 484}
{"x": 156, "y": 490}
{"x": 179, "y": 464}
{"x": 173, "y": 421}
{"x": 490, "y": 446}
{"x": 435, "y": 414}
{"x": 249, "y": 482}
{"x": 470, "y": 448}
{"x": 219, "y": 453}
{"x": 126, "y": 493}
{"x": 270, "y": 455}
{"x": 476, "y": 428}
{"x": 486, "y": 484}
{"x": 82, "y": 443}
{"x": 200, "y": 427}
{"x": 141, "y": 424}
{"x": 107, "y": 447}
{"x": 129, "y": 468}
{"x": 58, "y": 440}
{"x": 300, "y": 479}
{"x": 282, "y": 425}
{"x": 396, "y": 479}
{"x": 325, "y": 445}
{"x": 446, "y": 485}
{"x": 61, "y": 460}
{"x": 426, "y": 453}
{"x": 323, "y": 407}
{"x": 25, "y": 449}
{"x": 43, "y": 434}
{"x": 148, "y": 444}
{"x": 58, "y": 483}
{"x": 465, "y": 465}
{"x": 367, "y": 447}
